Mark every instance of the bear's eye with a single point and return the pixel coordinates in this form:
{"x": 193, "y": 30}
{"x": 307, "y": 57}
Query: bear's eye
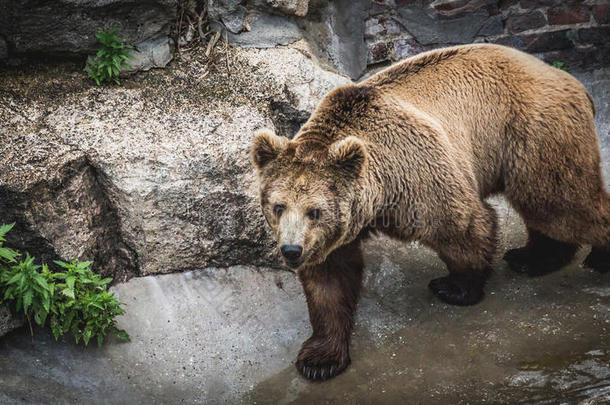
{"x": 278, "y": 209}
{"x": 313, "y": 214}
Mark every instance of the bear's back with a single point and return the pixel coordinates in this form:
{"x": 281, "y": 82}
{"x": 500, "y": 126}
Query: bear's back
{"x": 475, "y": 91}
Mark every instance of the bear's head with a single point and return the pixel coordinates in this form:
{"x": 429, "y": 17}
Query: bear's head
{"x": 309, "y": 193}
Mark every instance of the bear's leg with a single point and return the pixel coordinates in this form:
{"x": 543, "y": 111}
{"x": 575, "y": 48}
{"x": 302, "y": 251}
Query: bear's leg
{"x": 332, "y": 290}
{"x": 468, "y": 252}
{"x": 598, "y": 259}
{"x": 541, "y": 255}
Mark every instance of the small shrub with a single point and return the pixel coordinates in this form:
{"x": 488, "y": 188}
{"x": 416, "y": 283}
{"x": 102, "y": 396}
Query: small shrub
{"x": 110, "y": 58}
{"x": 29, "y": 290}
{"x": 560, "y": 65}
{"x": 74, "y": 300}
{"x": 86, "y": 309}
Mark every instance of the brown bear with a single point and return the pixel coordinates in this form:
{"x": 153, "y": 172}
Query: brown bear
{"x": 413, "y": 152}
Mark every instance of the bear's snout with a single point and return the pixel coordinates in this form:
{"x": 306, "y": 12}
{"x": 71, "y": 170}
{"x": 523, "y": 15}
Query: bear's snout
{"x": 292, "y": 253}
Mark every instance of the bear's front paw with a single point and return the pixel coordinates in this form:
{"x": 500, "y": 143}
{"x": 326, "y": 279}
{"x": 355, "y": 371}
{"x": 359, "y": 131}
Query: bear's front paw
{"x": 458, "y": 290}
{"x": 321, "y": 360}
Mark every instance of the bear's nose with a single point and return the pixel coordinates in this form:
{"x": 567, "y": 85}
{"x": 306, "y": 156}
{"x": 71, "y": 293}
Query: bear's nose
{"x": 291, "y": 252}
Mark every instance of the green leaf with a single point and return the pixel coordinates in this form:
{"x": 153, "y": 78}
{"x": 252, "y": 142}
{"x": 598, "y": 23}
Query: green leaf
{"x": 105, "y": 281}
{"x": 5, "y": 228}
{"x": 27, "y": 300}
{"x": 62, "y": 264}
{"x": 87, "y": 336}
{"x": 121, "y": 334}
{"x": 68, "y": 293}
{"x": 46, "y": 303}
{"x": 8, "y": 254}
{"x": 40, "y": 317}
{"x": 41, "y": 281}
{"x": 70, "y": 282}
{"x": 84, "y": 265}
{"x": 15, "y": 278}
{"x": 94, "y": 304}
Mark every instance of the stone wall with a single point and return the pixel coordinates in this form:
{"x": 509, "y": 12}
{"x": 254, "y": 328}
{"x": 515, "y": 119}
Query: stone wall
{"x": 574, "y": 32}
{"x": 354, "y": 35}
{"x": 348, "y": 35}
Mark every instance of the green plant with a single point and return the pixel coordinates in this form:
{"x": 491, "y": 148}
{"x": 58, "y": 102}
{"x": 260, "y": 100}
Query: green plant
{"x": 110, "y": 58}
{"x": 87, "y": 309}
{"x": 6, "y": 255}
{"x": 560, "y": 65}
{"x": 28, "y": 288}
{"x": 74, "y": 300}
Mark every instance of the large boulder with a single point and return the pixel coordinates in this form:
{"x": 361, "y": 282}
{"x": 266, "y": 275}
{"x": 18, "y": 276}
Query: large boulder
{"x": 68, "y": 27}
{"x": 154, "y": 176}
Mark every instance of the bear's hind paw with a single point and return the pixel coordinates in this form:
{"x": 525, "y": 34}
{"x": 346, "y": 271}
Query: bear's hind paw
{"x": 523, "y": 260}
{"x": 518, "y": 259}
{"x": 458, "y": 289}
{"x": 598, "y": 259}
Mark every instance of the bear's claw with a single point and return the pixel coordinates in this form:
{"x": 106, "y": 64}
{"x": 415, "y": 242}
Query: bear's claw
{"x": 317, "y": 361}
{"x": 458, "y": 289}
{"x": 320, "y": 372}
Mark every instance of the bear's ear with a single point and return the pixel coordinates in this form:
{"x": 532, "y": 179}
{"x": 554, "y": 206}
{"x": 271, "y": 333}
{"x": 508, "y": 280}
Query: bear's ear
{"x": 349, "y": 154}
{"x": 266, "y": 147}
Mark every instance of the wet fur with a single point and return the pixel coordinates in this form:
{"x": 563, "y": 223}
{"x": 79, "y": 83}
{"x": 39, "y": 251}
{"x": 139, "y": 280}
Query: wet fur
{"x": 414, "y": 151}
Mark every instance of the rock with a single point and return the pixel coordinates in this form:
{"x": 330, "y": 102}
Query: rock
{"x": 595, "y": 35}
{"x": 378, "y": 52}
{"x": 336, "y": 31}
{"x": 69, "y": 27}
{"x": 218, "y": 8}
{"x": 536, "y": 43}
{"x": 601, "y": 12}
{"x": 234, "y": 21}
{"x": 428, "y": 29}
{"x": 153, "y": 176}
{"x": 527, "y": 21}
{"x": 152, "y": 53}
{"x": 493, "y": 26}
{"x": 8, "y": 322}
{"x": 289, "y": 7}
{"x": 569, "y": 15}
{"x": 267, "y": 31}
{"x": 576, "y": 59}
{"x": 404, "y": 48}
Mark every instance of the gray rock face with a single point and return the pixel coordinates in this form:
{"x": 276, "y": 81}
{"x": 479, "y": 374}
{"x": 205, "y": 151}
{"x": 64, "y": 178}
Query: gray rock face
{"x": 234, "y": 20}
{"x": 7, "y": 322}
{"x": 266, "y": 31}
{"x": 154, "y": 176}
{"x": 336, "y": 30}
{"x": 153, "y": 53}
{"x": 69, "y": 26}
{"x": 430, "y": 30}
{"x": 290, "y": 7}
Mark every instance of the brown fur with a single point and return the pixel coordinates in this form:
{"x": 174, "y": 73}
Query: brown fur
{"x": 413, "y": 152}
